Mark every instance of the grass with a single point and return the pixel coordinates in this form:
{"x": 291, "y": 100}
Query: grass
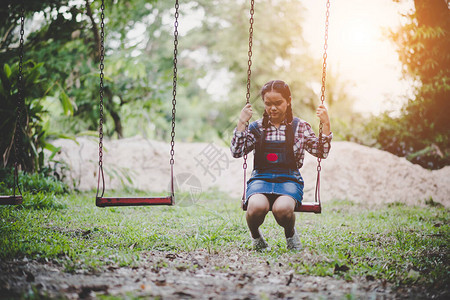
{"x": 397, "y": 243}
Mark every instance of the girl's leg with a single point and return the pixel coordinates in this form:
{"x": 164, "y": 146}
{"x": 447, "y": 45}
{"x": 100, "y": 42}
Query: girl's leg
{"x": 257, "y": 208}
{"x": 283, "y": 211}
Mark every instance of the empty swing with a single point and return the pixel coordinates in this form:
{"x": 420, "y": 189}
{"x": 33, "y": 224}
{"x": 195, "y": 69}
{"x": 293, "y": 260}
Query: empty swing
{"x": 312, "y": 207}
{"x": 13, "y": 199}
{"x": 102, "y": 201}
{"x": 17, "y": 199}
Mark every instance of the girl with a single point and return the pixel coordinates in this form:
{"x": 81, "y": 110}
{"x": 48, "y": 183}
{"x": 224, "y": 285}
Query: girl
{"x": 279, "y": 142}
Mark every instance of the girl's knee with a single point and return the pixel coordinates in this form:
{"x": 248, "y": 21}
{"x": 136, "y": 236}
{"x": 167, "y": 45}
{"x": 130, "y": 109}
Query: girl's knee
{"x": 283, "y": 207}
{"x": 282, "y": 212}
{"x": 258, "y": 205}
{"x": 257, "y": 209}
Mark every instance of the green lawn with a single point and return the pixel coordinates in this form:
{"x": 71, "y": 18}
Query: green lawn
{"x": 401, "y": 244}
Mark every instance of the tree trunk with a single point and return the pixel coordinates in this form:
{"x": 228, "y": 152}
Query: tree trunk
{"x": 94, "y": 31}
{"x": 431, "y": 12}
{"x": 114, "y": 114}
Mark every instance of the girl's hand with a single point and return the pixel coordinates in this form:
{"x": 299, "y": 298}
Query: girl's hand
{"x": 244, "y": 117}
{"x": 322, "y": 113}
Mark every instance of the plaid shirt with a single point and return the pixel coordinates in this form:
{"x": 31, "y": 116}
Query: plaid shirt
{"x": 304, "y": 139}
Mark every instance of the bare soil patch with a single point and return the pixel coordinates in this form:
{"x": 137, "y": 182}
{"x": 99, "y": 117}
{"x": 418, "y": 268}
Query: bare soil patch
{"x": 194, "y": 275}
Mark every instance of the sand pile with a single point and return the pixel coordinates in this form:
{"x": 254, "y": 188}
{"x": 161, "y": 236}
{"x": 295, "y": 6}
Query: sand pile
{"x": 353, "y": 172}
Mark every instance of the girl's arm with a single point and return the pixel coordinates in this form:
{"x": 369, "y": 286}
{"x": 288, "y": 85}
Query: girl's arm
{"x": 312, "y": 144}
{"x": 238, "y": 149}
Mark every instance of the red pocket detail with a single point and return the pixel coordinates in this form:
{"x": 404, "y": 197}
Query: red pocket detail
{"x": 272, "y": 157}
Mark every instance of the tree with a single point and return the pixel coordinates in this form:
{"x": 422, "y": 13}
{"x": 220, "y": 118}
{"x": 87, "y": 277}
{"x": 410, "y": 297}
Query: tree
{"x": 421, "y": 132}
{"x": 67, "y": 39}
{"x": 139, "y": 62}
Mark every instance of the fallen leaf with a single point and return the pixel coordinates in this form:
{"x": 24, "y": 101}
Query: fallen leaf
{"x": 171, "y": 256}
{"x": 161, "y": 282}
{"x": 342, "y": 268}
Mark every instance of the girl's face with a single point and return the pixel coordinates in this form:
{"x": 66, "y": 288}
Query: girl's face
{"x": 275, "y": 106}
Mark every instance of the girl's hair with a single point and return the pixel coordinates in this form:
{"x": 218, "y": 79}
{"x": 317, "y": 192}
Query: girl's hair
{"x": 281, "y": 87}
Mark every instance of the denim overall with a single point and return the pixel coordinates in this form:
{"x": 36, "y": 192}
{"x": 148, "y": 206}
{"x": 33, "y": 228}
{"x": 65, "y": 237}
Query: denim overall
{"x": 275, "y": 170}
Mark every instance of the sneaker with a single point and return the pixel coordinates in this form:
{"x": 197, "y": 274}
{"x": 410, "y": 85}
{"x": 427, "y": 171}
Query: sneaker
{"x": 293, "y": 242}
{"x": 260, "y": 244}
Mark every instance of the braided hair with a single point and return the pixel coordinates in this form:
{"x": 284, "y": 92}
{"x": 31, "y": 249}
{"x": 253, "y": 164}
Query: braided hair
{"x": 281, "y": 87}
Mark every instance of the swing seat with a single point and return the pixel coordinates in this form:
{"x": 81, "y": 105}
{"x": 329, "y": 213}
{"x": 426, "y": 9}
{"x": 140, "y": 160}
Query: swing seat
{"x": 311, "y": 207}
{"x": 11, "y": 200}
{"x": 133, "y": 201}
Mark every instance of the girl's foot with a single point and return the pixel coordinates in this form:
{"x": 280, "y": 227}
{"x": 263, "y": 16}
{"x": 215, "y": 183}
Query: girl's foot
{"x": 293, "y": 242}
{"x": 260, "y": 244}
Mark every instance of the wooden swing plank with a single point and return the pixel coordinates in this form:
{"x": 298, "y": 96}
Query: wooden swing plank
{"x": 11, "y": 200}
{"x": 133, "y": 201}
{"x": 311, "y": 207}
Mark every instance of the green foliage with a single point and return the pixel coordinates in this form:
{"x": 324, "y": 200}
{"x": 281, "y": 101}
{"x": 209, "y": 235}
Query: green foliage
{"x": 139, "y": 63}
{"x": 32, "y": 183}
{"x": 34, "y": 122}
{"x": 30, "y": 137}
{"x": 421, "y": 132}
{"x": 423, "y": 41}
{"x": 42, "y": 200}
{"x": 39, "y": 190}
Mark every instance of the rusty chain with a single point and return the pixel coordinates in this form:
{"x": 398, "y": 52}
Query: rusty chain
{"x": 174, "y": 93}
{"x": 100, "y": 130}
{"x": 249, "y": 74}
{"x": 322, "y": 99}
{"x": 20, "y": 105}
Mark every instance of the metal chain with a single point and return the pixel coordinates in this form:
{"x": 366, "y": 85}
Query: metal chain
{"x": 322, "y": 99}
{"x": 250, "y": 53}
{"x": 100, "y": 130}
{"x": 20, "y": 104}
{"x": 249, "y": 74}
{"x": 174, "y": 93}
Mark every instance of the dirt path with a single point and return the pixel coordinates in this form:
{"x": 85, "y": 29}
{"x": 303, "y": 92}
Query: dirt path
{"x": 193, "y": 275}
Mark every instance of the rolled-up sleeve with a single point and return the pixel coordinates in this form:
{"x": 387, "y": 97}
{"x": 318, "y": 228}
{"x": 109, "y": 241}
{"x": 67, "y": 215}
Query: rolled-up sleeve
{"x": 313, "y": 146}
{"x": 238, "y": 145}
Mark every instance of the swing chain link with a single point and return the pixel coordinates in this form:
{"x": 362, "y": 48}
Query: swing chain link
{"x": 322, "y": 100}
{"x": 324, "y": 70}
{"x": 324, "y": 65}
{"x": 102, "y": 66}
{"x": 325, "y": 55}
{"x": 174, "y": 100}
{"x": 249, "y": 74}
{"x": 20, "y": 103}
{"x": 100, "y": 130}
{"x": 174, "y": 91}
{"x": 250, "y": 53}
